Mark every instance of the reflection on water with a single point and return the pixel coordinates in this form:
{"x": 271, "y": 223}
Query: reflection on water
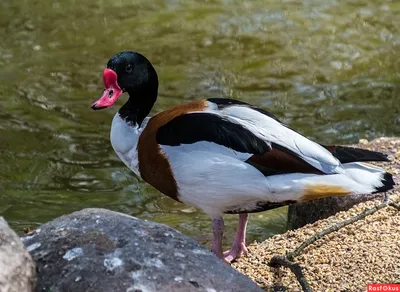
{"x": 330, "y": 69}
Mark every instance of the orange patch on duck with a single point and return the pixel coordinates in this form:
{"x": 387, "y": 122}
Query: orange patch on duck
{"x": 153, "y": 165}
{"x": 318, "y": 191}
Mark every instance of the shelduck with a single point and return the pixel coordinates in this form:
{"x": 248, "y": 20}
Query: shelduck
{"x": 226, "y": 156}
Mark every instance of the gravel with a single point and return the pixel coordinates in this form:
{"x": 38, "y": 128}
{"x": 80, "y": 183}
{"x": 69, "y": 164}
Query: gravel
{"x": 365, "y": 252}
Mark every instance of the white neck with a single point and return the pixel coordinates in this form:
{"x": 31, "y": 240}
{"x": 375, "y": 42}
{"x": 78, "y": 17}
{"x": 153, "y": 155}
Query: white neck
{"x": 124, "y": 138}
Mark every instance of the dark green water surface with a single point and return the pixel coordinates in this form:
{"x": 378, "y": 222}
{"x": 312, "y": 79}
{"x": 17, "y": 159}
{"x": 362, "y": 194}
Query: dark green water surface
{"x": 329, "y": 69}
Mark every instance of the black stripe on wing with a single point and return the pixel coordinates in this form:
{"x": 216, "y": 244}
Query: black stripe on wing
{"x": 196, "y": 127}
{"x": 347, "y": 154}
{"x": 226, "y": 102}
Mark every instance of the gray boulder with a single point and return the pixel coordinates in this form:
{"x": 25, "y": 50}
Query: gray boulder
{"x": 101, "y": 251}
{"x": 17, "y": 270}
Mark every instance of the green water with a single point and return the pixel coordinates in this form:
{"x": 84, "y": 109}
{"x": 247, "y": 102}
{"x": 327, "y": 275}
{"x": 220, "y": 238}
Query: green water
{"x": 329, "y": 69}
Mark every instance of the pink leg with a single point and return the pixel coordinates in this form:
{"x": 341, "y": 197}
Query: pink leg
{"x": 239, "y": 244}
{"x": 218, "y": 231}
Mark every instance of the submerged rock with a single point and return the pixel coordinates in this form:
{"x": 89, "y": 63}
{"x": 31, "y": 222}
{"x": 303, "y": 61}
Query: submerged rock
{"x": 17, "y": 270}
{"x": 100, "y": 250}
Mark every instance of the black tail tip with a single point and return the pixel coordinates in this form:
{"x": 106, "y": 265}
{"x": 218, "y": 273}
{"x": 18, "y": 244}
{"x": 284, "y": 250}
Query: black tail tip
{"x": 388, "y": 183}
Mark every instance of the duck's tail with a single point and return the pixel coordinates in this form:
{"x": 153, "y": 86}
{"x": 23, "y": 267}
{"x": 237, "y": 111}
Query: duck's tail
{"x": 371, "y": 175}
{"x": 358, "y": 178}
{"x": 351, "y": 157}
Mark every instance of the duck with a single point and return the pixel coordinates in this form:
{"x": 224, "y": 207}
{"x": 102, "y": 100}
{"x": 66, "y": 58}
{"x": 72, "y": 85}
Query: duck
{"x": 226, "y": 156}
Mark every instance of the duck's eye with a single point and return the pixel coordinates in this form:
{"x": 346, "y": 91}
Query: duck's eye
{"x": 128, "y": 68}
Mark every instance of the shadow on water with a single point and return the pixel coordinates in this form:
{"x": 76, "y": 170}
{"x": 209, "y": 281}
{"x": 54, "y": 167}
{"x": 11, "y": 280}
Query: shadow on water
{"x": 329, "y": 69}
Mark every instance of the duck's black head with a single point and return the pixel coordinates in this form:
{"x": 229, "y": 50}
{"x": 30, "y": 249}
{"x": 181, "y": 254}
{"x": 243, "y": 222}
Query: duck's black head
{"x": 129, "y": 72}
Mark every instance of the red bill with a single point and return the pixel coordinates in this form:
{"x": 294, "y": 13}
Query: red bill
{"x": 111, "y": 92}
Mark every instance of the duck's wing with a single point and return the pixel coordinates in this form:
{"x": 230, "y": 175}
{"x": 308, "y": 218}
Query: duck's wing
{"x": 347, "y": 154}
{"x": 269, "y": 144}
{"x": 210, "y": 127}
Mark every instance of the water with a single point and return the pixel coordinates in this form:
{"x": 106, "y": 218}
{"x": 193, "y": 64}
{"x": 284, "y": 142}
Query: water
{"x": 329, "y": 69}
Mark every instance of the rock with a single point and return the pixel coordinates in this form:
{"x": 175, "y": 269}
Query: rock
{"x": 304, "y": 213}
{"x": 17, "y": 270}
{"x": 100, "y": 250}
